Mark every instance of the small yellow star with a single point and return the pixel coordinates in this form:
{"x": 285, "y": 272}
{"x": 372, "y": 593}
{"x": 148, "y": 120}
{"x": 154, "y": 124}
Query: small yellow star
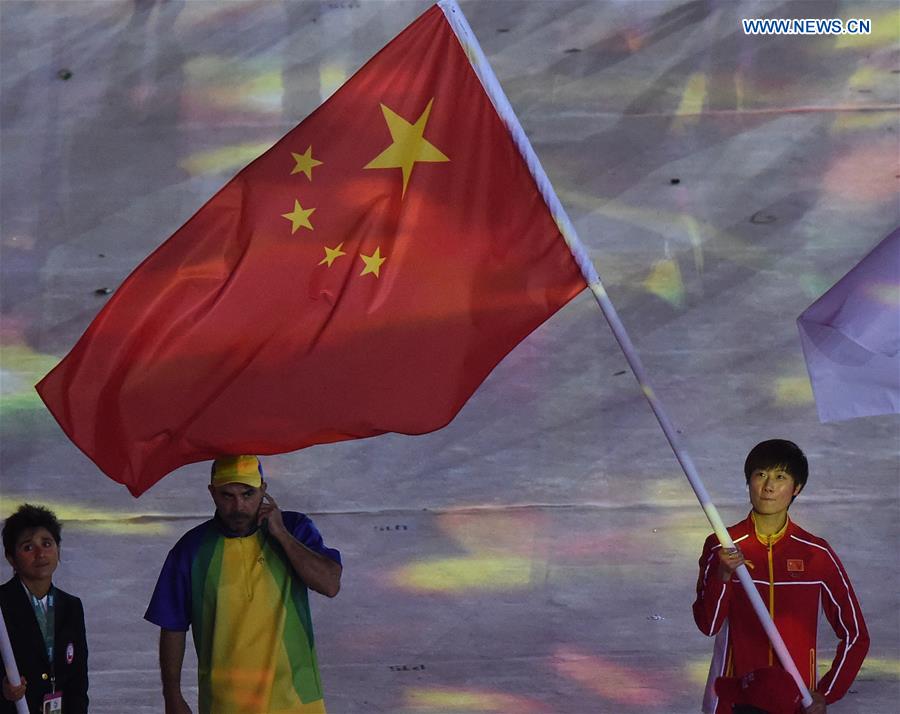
{"x": 408, "y": 146}
{"x": 332, "y": 254}
{"x": 373, "y": 262}
{"x": 299, "y": 217}
{"x": 305, "y": 163}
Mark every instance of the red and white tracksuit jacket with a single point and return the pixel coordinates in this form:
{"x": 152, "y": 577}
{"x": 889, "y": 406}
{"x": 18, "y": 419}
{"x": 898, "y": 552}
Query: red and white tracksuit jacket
{"x": 795, "y": 572}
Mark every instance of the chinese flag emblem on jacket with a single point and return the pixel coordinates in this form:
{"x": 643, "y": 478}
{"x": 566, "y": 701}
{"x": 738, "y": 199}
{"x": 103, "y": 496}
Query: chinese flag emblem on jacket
{"x": 362, "y": 276}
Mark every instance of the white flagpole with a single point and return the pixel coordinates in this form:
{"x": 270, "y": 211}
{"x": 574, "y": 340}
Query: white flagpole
{"x": 491, "y": 85}
{"x": 9, "y": 663}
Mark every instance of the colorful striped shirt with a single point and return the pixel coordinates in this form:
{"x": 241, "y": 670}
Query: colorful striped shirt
{"x": 249, "y": 616}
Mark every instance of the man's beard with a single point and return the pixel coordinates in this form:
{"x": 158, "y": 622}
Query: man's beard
{"x": 239, "y": 523}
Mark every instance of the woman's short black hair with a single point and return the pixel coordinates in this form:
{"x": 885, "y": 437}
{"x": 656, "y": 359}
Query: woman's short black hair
{"x": 25, "y": 518}
{"x": 778, "y": 452}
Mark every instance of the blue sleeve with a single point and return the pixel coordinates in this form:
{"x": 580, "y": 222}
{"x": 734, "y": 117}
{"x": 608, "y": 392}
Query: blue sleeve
{"x": 170, "y": 606}
{"x": 305, "y": 531}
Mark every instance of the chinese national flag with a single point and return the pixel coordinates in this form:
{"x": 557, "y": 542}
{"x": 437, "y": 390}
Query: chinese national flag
{"x": 362, "y": 276}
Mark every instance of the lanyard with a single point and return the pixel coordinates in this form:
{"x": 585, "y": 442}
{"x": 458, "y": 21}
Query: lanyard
{"x": 46, "y": 621}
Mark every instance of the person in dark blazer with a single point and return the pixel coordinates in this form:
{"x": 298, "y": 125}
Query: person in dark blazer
{"x": 41, "y": 619}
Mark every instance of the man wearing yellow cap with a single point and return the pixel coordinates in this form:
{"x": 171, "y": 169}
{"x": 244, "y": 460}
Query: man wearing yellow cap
{"x": 239, "y": 582}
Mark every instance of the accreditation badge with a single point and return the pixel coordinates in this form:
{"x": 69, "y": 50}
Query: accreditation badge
{"x": 52, "y": 703}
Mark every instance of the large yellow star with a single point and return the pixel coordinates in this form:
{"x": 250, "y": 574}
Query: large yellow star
{"x": 373, "y": 262}
{"x": 299, "y": 217}
{"x": 305, "y": 163}
{"x": 408, "y": 147}
{"x": 332, "y": 254}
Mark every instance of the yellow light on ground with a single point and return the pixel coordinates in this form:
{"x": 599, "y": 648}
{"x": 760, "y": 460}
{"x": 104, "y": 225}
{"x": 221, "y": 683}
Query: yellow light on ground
{"x": 793, "y": 391}
{"x": 500, "y": 556}
{"x": 89, "y": 519}
{"x": 452, "y": 575}
{"x": 446, "y": 699}
{"x": 884, "y": 31}
{"x": 862, "y": 78}
{"x": 665, "y": 282}
{"x": 696, "y": 671}
{"x": 223, "y": 159}
{"x": 331, "y": 77}
{"x": 229, "y": 84}
{"x": 857, "y": 121}
{"x": 881, "y": 668}
{"x": 22, "y": 368}
{"x": 692, "y": 99}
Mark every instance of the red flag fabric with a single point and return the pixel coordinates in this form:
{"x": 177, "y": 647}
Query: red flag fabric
{"x": 362, "y": 276}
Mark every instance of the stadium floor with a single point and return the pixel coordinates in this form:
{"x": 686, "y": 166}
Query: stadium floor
{"x": 539, "y": 553}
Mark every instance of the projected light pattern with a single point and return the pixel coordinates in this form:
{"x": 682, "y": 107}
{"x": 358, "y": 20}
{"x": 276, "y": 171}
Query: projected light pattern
{"x": 693, "y": 98}
{"x": 19, "y": 359}
{"x": 20, "y": 368}
{"x": 696, "y": 671}
{"x": 883, "y": 34}
{"x": 886, "y": 295}
{"x": 233, "y": 88}
{"x": 613, "y": 681}
{"x": 881, "y": 668}
{"x": 446, "y": 699}
{"x": 500, "y": 555}
{"x": 665, "y": 282}
{"x": 459, "y": 575}
{"x": 874, "y": 668}
{"x": 97, "y": 520}
{"x": 509, "y": 552}
{"x": 853, "y": 123}
{"x": 793, "y": 391}
{"x": 785, "y": 155}
{"x": 859, "y": 175}
{"x": 225, "y": 159}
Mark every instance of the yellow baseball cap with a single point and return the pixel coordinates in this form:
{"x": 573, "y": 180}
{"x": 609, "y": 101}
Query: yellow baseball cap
{"x": 237, "y": 469}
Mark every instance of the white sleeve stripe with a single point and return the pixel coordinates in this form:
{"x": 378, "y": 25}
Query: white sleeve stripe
{"x": 840, "y": 620}
{"x": 709, "y": 562}
{"x": 736, "y": 540}
{"x": 837, "y": 671}
{"x": 712, "y": 625}
{"x": 843, "y": 580}
{"x": 710, "y": 559}
{"x": 706, "y": 571}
